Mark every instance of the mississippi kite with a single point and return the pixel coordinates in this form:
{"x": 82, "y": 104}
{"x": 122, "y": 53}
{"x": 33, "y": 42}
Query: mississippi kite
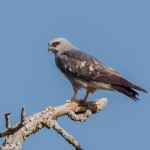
{"x": 85, "y": 71}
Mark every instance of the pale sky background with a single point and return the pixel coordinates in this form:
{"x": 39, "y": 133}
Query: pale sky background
{"x": 116, "y": 32}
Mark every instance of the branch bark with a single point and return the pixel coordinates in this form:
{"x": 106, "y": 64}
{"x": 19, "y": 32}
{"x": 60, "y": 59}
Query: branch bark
{"x": 17, "y": 134}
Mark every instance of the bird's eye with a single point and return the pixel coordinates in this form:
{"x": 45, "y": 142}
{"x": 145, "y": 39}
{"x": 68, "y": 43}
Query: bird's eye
{"x": 56, "y": 43}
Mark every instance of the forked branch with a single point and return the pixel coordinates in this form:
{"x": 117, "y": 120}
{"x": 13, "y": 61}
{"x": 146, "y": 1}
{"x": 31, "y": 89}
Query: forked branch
{"x": 16, "y": 135}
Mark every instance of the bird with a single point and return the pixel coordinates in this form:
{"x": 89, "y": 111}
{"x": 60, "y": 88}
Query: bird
{"x": 87, "y": 72}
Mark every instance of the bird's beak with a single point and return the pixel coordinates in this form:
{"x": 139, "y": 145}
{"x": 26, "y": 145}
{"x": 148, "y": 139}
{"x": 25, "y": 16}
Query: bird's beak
{"x": 50, "y": 47}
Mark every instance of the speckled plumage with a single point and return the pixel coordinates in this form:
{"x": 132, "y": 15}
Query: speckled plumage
{"x": 85, "y": 71}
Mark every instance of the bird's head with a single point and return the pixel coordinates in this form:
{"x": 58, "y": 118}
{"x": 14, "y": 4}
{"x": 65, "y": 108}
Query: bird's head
{"x": 59, "y": 44}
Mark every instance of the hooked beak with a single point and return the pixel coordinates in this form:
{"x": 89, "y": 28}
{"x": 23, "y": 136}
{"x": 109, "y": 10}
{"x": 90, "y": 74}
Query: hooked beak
{"x": 50, "y": 47}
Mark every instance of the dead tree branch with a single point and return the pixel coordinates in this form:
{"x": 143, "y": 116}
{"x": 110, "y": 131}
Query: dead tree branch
{"x": 16, "y": 135}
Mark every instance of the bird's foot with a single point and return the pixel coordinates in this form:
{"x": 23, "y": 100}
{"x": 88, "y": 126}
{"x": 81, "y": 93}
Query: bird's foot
{"x": 72, "y": 100}
{"x": 83, "y": 102}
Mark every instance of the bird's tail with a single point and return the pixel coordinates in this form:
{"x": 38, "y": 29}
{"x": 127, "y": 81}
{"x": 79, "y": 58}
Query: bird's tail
{"x": 120, "y": 84}
{"x": 128, "y": 91}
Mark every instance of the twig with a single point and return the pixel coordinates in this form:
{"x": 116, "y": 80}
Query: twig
{"x": 66, "y": 135}
{"x": 17, "y": 134}
{"x": 23, "y": 114}
{"x": 7, "y": 118}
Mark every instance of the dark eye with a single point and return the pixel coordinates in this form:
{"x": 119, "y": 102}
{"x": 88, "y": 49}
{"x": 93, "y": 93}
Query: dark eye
{"x": 56, "y": 43}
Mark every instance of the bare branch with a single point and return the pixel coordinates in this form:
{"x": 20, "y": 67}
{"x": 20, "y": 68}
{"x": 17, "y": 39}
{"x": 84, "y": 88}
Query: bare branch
{"x": 17, "y": 134}
{"x": 66, "y": 135}
{"x": 80, "y": 117}
{"x": 7, "y": 118}
{"x": 23, "y": 114}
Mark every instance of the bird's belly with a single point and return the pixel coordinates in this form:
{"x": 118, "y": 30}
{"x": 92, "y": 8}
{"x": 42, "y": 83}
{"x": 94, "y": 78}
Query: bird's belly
{"x": 102, "y": 86}
{"x": 93, "y": 85}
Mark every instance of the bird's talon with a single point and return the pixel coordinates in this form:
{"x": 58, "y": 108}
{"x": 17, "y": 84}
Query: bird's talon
{"x": 72, "y": 100}
{"x": 83, "y": 103}
{"x": 68, "y": 101}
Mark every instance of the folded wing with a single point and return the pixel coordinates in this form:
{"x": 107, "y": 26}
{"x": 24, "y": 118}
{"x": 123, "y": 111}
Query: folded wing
{"x": 77, "y": 64}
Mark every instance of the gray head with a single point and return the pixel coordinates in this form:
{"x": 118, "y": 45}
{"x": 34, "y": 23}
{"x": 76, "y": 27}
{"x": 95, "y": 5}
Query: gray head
{"x": 59, "y": 44}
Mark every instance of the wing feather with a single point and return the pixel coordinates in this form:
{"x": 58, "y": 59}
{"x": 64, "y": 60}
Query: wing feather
{"x": 77, "y": 64}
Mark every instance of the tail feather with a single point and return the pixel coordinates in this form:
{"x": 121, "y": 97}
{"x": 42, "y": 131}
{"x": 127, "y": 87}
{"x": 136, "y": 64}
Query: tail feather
{"x": 126, "y": 91}
{"x": 139, "y": 88}
{"x": 117, "y": 81}
{"x": 120, "y": 84}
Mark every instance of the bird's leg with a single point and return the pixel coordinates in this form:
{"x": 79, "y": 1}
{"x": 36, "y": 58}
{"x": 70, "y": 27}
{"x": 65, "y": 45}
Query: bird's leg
{"x": 74, "y": 96}
{"x": 84, "y": 100}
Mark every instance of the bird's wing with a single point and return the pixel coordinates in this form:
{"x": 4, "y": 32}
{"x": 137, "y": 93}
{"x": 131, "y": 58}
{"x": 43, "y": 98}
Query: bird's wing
{"x": 78, "y": 64}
